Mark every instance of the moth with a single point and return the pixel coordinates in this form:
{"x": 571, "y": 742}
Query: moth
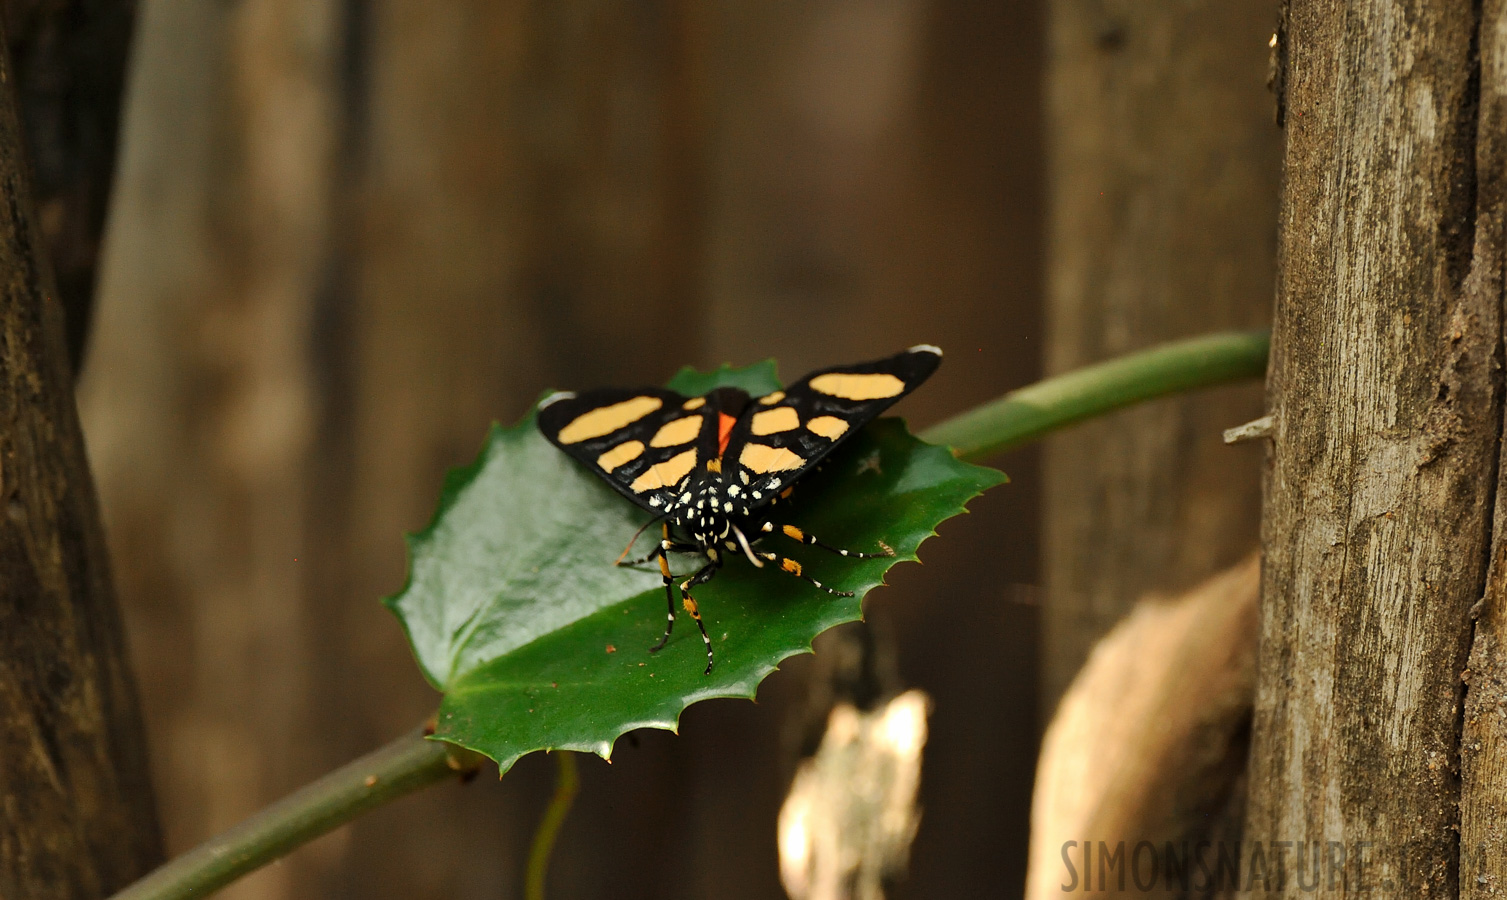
{"x": 711, "y": 468}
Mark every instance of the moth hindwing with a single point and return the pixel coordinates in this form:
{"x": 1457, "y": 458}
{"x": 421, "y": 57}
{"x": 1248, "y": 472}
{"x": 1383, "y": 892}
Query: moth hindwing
{"x": 647, "y": 442}
{"x": 710, "y": 466}
{"x": 783, "y": 435}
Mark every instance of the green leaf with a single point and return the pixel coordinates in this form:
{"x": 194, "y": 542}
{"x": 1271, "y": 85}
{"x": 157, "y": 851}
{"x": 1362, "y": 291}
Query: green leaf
{"x": 758, "y": 379}
{"x": 516, "y": 612}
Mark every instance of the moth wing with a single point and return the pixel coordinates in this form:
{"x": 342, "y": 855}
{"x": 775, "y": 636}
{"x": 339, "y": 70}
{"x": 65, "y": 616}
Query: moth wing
{"x": 641, "y": 441}
{"x": 782, "y": 435}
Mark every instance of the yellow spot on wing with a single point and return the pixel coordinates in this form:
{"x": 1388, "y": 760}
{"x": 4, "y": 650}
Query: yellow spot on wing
{"x": 694, "y": 403}
{"x": 763, "y": 459}
{"x": 772, "y": 399}
{"x": 622, "y": 453}
{"x": 774, "y": 421}
{"x": 873, "y": 386}
{"x": 666, "y": 473}
{"x": 829, "y": 427}
{"x": 714, "y": 464}
{"x": 680, "y": 431}
{"x": 607, "y": 419}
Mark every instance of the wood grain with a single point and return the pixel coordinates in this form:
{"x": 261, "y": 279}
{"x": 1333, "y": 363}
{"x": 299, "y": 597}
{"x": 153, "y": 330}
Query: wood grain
{"x": 1149, "y": 743}
{"x": 1483, "y": 739}
{"x": 78, "y": 818}
{"x": 1163, "y": 182}
{"x": 1385, "y": 397}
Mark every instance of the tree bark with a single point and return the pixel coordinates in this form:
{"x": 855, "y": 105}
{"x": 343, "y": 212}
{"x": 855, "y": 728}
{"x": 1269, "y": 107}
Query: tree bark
{"x": 70, "y": 60}
{"x": 1385, "y": 394}
{"x": 78, "y": 813}
{"x": 1483, "y": 743}
{"x": 1163, "y": 189}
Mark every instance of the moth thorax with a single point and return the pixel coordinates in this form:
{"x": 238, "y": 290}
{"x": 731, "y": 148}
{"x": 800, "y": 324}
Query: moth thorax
{"x": 707, "y": 525}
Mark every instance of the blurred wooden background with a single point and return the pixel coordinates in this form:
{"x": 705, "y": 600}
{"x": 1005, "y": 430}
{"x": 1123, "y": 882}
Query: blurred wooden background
{"x": 347, "y": 236}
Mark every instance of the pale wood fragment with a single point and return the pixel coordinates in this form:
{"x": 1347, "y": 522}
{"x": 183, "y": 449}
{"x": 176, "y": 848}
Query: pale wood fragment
{"x": 1149, "y": 742}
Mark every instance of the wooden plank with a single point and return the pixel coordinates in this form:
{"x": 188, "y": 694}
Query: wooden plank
{"x": 1163, "y": 161}
{"x": 1384, "y": 394}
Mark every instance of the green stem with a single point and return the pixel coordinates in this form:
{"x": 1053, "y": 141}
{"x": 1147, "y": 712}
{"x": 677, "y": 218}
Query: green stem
{"x": 567, "y": 784}
{"x": 402, "y": 767}
{"x": 1026, "y": 414}
{"x": 412, "y": 762}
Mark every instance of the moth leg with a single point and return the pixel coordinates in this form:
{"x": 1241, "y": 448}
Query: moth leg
{"x": 664, "y": 570}
{"x": 663, "y": 547}
{"x": 701, "y": 577}
{"x": 794, "y": 568}
{"x": 796, "y": 534}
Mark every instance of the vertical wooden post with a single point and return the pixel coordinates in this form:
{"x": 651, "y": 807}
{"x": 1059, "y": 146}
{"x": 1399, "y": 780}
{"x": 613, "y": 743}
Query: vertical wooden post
{"x": 78, "y": 818}
{"x": 1385, "y": 391}
{"x": 1164, "y": 162}
{"x": 1483, "y": 739}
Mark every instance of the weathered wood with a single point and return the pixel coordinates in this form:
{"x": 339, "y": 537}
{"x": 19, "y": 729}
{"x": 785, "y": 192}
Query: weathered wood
{"x": 1164, "y": 163}
{"x": 198, "y": 392}
{"x": 1149, "y": 743}
{"x": 78, "y": 818}
{"x": 70, "y": 61}
{"x": 1385, "y": 397}
{"x": 1483, "y": 740}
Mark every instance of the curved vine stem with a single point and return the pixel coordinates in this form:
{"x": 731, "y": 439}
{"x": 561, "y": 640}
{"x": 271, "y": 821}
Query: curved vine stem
{"x": 413, "y": 762}
{"x": 402, "y": 767}
{"x": 567, "y": 785}
{"x": 1026, "y": 414}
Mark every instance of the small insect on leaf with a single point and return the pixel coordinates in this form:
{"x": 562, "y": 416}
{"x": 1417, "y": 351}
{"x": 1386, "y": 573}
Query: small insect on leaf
{"x": 713, "y": 467}
{"x": 512, "y": 588}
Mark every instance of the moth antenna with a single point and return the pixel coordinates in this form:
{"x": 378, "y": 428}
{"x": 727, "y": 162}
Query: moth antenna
{"x": 747, "y": 550}
{"x": 633, "y": 540}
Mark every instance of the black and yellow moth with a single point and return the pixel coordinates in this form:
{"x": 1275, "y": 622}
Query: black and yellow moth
{"x": 711, "y": 467}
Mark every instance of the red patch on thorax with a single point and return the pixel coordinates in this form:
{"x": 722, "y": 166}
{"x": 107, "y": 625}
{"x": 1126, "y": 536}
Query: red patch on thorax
{"x": 725, "y": 424}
